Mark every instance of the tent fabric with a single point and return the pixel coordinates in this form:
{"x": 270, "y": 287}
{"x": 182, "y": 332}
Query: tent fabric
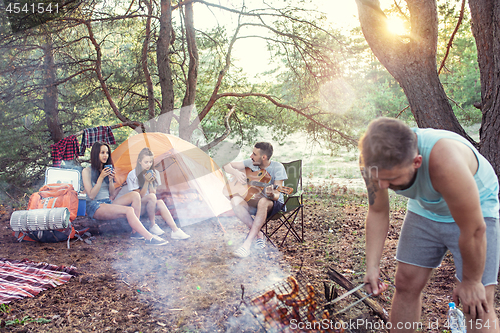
{"x": 191, "y": 182}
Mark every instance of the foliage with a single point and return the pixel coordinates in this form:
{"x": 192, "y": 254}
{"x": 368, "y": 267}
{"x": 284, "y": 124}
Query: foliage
{"x": 25, "y": 320}
{"x": 4, "y": 308}
{"x": 324, "y": 83}
{"x": 460, "y": 76}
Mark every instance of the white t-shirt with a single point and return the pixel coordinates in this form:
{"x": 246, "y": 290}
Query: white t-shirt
{"x": 133, "y": 182}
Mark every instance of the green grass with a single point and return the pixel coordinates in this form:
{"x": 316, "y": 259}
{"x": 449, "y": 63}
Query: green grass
{"x": 4, "y": 308}
{"x": 25, "y": 320}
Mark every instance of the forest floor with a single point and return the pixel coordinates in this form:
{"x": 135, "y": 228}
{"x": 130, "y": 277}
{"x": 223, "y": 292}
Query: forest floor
{"x": 196, "y": 285}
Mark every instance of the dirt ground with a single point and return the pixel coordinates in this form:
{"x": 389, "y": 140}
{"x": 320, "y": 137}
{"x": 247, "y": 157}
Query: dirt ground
{"x": 196, "y": 285}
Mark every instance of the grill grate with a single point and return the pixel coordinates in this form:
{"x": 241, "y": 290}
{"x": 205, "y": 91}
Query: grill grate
{"x": 288, "y": 306}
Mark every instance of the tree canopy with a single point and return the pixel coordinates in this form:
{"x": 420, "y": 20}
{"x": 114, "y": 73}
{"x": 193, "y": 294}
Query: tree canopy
{"x": 150, "y": 65}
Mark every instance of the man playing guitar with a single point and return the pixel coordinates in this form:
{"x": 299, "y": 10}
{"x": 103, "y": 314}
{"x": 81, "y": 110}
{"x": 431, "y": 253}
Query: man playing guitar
{"x": 268, "y": 203}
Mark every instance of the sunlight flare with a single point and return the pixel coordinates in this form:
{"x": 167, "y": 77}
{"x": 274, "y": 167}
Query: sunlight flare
{"x": 396, "y": 26}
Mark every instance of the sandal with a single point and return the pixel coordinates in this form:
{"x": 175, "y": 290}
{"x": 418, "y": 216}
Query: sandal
{"x": 241, "y": 252}
{"x": 260, "y": 243}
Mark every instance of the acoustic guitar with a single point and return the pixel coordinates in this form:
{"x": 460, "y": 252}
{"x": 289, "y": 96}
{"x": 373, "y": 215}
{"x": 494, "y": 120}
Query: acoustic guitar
{"x": 257, "y": 181}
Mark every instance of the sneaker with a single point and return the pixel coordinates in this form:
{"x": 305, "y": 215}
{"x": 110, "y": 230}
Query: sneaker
{"x": 179, "y": 234}
{"x": 156, "y": 230}
{"x": 136, "y": 235}
{"x": 156, "y": 241}
{"x": 260, "y": 244}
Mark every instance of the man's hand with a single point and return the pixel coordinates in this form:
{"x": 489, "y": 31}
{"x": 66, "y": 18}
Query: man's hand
{"x": 269, "y": 192}
{"x": 373, "y": 284}
{"x": 473, "y": 298}
{"x": 241, "y": 177}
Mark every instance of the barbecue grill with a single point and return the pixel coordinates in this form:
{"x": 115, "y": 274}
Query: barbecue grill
{"x": 292, "y": 306}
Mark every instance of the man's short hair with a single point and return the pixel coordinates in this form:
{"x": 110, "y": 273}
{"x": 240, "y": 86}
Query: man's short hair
{"x": 387, "y": 143}
{"x": 266, "y": 148}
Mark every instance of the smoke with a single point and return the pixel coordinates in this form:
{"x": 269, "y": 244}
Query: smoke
{"x": 196, "y": 284}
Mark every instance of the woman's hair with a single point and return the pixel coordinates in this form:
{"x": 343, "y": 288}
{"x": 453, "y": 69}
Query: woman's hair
{"x": 95, "y": 161}
{"x": 387, "y": 143}
{"x": 138, "y": 168}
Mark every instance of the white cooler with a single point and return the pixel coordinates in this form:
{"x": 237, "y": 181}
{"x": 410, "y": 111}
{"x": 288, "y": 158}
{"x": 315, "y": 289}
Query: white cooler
{"x": 67, "y": 176}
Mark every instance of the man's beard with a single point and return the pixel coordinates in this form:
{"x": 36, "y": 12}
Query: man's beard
{"x": 405, "y": 186}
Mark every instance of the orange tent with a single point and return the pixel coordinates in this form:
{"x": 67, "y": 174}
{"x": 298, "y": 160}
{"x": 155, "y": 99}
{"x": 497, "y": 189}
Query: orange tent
{"x": 191, "y": 182}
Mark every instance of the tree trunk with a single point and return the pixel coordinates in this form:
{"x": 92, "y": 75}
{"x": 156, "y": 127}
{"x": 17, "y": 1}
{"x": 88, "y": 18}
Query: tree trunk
{"x": 412, "y": 61}
{"x": 164, "y": 70}
{"x": 192, "y": 79}
{"x": 486, "y": 29}
{"x": 50, "y": 94}
{"x": 144, "y": 60}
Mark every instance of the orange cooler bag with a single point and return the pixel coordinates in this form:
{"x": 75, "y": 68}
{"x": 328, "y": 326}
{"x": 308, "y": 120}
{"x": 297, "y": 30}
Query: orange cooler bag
{"x": 55, "y": 195}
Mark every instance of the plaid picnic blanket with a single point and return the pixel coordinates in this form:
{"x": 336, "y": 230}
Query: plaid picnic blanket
{"x": 24, "y": 278}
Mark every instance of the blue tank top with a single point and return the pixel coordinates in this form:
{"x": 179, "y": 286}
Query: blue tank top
{"x": 425, "y": 201}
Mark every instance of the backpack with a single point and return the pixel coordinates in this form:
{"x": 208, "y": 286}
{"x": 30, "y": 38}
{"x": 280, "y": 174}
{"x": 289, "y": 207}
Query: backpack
{"x": 48, "y": 225}
{"x": 51, "y": 198}
{"x": 55, "y": 195}
{"x": 54, "y": 236}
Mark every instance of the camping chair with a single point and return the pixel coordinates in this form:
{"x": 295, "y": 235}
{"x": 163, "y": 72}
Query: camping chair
{"x": 294, "y": 215}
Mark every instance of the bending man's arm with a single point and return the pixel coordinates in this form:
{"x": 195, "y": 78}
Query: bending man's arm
{"x": 377, "y": 226}
{"x": 452, "y": 175}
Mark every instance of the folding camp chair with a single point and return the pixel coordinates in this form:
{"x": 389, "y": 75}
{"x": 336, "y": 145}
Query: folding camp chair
{"x": 293, "y": 218}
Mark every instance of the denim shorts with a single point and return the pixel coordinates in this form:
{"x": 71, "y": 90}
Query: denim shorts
{"x": 424, "y": 243}
{"x": 93, "y": 206}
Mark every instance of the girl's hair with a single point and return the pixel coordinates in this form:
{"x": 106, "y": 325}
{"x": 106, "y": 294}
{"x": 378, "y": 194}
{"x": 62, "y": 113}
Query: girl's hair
{"x": 138, "y": 168}
{"x": 95, "y": 161}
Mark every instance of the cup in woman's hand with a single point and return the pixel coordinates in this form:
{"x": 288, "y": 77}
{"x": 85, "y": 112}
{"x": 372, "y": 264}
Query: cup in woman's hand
{"x": 150, "y": 175}
{"x": 110, "y": 166}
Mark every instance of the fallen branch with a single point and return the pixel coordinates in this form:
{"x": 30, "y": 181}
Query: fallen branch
{"x": 347, "y": 285}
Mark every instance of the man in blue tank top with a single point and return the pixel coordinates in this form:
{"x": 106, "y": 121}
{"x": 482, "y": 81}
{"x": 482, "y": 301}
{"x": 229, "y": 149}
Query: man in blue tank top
{"x": 453, "y": 205}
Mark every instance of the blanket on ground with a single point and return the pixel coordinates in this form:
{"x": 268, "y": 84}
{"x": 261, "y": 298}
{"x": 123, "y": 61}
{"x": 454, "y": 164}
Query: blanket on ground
{"x": 24, "y": 278}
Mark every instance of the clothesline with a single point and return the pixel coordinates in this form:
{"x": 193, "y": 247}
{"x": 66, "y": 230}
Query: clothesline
{"x": 68, "y": 147}
{"x": 128, "y": 123}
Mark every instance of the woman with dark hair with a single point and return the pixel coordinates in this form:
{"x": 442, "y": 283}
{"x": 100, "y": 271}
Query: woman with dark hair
{"x": 100, "y": 188}
{"x": 144, "y": 179}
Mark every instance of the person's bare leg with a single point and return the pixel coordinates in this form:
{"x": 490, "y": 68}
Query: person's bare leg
{"x": 263, "y": 207}
{"x": 149, "y": 206}
{"x": 113, "y": 211}
{"x": 240, "y": 208}
{"x": 165, "y": 214}
{"x": 132, "y": 199}
{"x": 490, "y": 322}
{"x": 406, "y": 303}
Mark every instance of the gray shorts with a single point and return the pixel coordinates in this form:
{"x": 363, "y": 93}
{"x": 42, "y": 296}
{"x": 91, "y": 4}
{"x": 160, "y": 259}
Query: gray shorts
{"x": 424, "y": 243}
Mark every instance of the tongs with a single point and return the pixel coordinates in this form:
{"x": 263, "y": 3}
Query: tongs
{"x": 347, "y": 294}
